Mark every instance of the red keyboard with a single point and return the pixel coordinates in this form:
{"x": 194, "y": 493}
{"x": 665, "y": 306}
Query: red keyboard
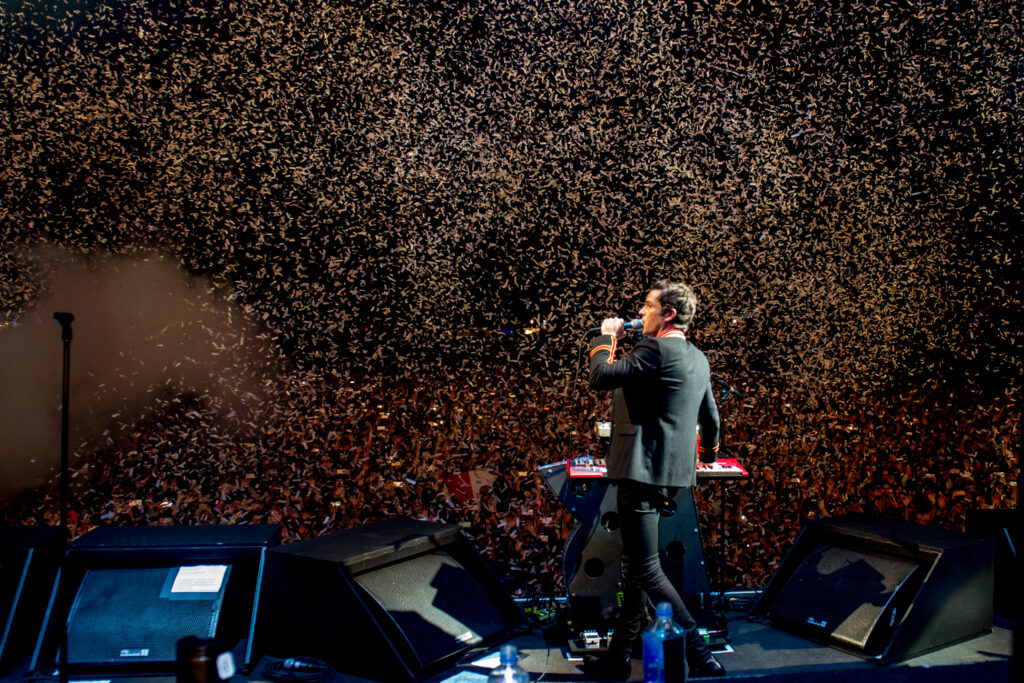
{"x": 723, "y": 468}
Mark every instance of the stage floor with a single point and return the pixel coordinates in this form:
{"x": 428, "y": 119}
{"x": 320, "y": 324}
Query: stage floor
{"x": 758, "y": 653}
{"x": 763, "y": 653}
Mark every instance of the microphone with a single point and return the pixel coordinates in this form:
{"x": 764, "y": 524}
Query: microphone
{"x": 630, "y": 326}
{"x": 65, "y": 320}
{"x": 297, "y": 664}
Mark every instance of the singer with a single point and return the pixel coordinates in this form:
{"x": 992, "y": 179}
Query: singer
{"x": 662, "y": 393}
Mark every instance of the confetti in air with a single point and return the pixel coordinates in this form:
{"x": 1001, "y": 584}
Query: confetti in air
{"x": 383, "y": 228}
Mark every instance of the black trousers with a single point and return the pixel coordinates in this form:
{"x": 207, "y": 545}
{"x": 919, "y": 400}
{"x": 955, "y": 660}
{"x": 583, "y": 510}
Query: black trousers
{"x": 643, "y": 579}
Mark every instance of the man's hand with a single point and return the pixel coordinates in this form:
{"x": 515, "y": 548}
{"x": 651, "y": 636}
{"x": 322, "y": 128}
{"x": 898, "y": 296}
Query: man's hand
{"x": 613, "y": 327}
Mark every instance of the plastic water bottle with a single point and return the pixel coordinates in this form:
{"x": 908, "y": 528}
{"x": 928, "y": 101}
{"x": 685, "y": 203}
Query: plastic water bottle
{"x": 509, "y": 670}
{"x": 664, "y": 648}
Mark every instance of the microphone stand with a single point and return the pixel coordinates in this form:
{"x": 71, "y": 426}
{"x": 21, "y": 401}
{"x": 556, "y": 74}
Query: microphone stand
{"x": 65, "y": 320}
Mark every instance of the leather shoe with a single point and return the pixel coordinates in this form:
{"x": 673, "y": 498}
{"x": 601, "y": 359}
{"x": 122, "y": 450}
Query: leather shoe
{"x": 611, "y": 666}
{"x": 705, "y": 667}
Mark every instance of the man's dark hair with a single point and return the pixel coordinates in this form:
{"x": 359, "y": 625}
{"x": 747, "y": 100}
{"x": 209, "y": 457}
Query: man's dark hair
{"x": 680, "y": 298}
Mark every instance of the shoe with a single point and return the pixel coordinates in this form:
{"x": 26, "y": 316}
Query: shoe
{"x": 609, "y": 665}
{"x": 706, "y": 666}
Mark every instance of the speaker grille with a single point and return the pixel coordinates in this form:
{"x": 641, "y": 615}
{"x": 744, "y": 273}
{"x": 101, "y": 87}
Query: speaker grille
{"x": 128, "y": 615}
{"x": 436, "y": 604}
{"x": 844, "y": 593}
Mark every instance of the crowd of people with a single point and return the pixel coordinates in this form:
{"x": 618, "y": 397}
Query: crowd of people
{"x": 326, "y": 452}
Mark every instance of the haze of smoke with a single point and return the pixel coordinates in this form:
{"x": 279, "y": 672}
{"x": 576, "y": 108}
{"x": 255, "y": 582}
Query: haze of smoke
{"x": 145, "y": 333}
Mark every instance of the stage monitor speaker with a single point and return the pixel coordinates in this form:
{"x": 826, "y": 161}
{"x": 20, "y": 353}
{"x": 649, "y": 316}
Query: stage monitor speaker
{"x": 393, "y": 600}
{"x": 29, "y": 560}
{"x": 882, "y": 589}
{"x": 132, "y": 592}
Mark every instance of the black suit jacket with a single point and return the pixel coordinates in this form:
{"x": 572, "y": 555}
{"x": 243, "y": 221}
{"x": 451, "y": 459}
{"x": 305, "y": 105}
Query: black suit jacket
{"x": 662, "y": 393}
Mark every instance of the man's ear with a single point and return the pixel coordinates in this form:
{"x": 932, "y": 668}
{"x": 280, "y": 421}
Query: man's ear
{"x": 669, "y": 313}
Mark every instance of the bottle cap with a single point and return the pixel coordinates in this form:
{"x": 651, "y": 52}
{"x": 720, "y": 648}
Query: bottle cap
{"x": 664, "y": 609}
{"x": 508, "y": 654}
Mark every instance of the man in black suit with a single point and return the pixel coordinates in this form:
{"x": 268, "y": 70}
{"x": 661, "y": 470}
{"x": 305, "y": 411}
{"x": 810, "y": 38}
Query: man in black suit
{"x": 662, "y": 393}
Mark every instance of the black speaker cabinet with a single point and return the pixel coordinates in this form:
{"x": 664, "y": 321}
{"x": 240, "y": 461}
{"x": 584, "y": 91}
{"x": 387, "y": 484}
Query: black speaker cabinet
{"x": 388, "y": 601}
{"x": 882, "y": 589}
{"x": 131, "y": 592}
{"x": 29, "y": 560}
